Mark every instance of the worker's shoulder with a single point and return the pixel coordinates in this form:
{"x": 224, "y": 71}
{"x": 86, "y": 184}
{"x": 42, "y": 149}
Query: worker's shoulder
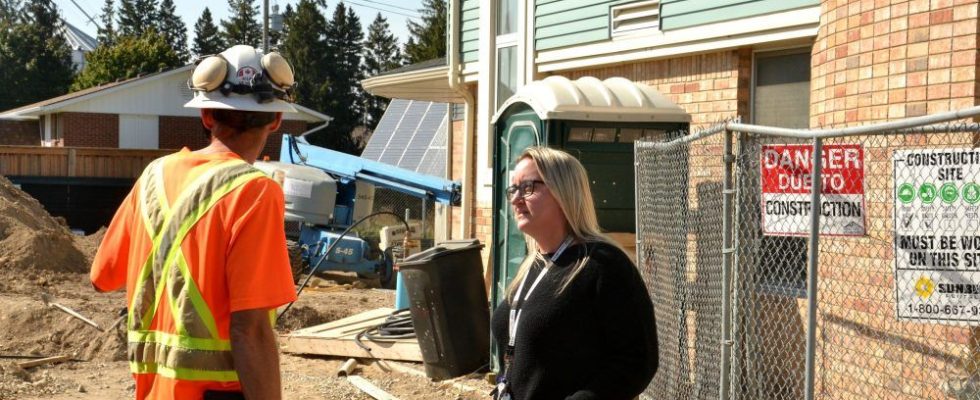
{"x": 262, "y": 184}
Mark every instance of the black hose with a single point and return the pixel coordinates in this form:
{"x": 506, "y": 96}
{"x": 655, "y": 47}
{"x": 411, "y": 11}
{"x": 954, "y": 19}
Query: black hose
{"x": 330, "y": 250}
{"x": 398, "y": 325}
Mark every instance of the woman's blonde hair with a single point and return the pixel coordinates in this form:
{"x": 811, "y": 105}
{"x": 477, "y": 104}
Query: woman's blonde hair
{"x": 568, "y": 182}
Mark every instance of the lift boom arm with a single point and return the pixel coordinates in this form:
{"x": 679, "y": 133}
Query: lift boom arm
{"x": 348, "y": 168}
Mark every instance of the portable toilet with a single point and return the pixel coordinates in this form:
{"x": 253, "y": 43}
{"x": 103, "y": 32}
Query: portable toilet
{"x": 595, "y": 120}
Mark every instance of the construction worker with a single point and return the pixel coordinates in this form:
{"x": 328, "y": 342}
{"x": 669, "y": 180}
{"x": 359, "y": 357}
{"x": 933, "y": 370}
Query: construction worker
{"x": 199, "y": 247}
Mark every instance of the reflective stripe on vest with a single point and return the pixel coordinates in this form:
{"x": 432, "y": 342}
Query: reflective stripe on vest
{"x": 195, "y": 351}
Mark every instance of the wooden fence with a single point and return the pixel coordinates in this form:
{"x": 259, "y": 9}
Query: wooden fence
{"x": 85, "y": 162}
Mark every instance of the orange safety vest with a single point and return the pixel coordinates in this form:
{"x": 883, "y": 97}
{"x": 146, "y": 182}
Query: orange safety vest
{"x": 194, "y": 351}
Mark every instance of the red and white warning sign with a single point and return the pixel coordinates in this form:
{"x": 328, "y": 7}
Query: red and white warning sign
{"x": 787, "y": 176}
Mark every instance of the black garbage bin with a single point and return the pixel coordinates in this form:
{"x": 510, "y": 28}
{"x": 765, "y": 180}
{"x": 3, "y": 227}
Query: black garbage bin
{"x": 448, "y": 303}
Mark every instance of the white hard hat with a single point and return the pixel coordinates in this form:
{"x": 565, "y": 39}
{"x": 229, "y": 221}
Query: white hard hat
{"x": 241, "y": 78}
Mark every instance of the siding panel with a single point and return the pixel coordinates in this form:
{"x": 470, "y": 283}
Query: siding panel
{"x": 560, "y": 23}
{"x": 469, "y": 30}
{"x": 677, "y": 14}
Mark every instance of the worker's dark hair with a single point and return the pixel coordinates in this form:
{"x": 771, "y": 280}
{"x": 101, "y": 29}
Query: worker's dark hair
{"x": 243, "y": 120}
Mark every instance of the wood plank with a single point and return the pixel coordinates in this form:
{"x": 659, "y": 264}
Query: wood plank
{"x": 369, "y": 388}
{"x": 336, "y": 338}
{"x": 353, "y": 322}
{"x": 43, "y": 361}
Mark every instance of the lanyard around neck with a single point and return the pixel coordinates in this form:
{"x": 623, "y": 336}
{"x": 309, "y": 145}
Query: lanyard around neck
{"x": 517, "y": 308}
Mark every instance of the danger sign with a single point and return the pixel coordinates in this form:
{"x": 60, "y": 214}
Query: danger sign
{"x": 787, "y": 177}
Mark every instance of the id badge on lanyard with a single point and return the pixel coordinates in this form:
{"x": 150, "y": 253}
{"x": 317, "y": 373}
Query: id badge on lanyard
{"x": 502, "y": 391}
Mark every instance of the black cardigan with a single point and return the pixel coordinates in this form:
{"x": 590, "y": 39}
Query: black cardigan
{"x": 596, "y": 340}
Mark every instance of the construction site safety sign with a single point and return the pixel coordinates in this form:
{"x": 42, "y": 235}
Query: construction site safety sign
{"x": 787, "y": 179}
{"x": 937, "y": 235}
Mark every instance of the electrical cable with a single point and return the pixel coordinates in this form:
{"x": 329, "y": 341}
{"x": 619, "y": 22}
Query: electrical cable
{"x": 383, "y": 10}
{"x": 392, "y": 5}
{"x": 398, "y": 325}
{"x": 327, "y": 253}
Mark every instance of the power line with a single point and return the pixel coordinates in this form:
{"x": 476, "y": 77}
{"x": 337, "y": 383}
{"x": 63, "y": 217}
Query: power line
{"x": 392, "y": 6}
{"x": 381, "y": 9}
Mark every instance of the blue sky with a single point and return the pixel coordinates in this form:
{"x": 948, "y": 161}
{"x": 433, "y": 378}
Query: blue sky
{"x": 190, "y": 11}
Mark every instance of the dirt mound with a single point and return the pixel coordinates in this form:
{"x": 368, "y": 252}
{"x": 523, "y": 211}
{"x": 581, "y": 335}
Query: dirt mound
{"x": 32, "y": 239}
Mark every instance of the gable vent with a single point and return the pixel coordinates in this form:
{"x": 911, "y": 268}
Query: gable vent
{"x": 634, "y": 17}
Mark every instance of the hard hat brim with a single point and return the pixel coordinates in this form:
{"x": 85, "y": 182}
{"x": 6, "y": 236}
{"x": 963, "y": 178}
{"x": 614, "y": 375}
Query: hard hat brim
{"x": 238, "y": 102}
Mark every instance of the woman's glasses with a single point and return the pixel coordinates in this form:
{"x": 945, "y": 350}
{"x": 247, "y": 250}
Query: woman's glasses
{"x": 525, "y": 188}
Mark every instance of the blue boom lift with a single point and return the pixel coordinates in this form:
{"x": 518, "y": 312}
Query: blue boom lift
{"x": 329, "y": 191}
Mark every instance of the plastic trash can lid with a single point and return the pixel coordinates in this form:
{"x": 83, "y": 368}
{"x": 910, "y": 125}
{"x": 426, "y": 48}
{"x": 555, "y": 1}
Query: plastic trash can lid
{"x": 442, "y": 249}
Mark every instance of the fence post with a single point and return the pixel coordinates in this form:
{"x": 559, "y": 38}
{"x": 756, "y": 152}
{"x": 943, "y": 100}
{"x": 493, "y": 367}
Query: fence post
{"x": 811, "y": 285}
{"x": 727, "y": 254}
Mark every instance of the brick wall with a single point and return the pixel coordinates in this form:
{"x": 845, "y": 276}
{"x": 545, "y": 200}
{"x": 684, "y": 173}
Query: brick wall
{"x": 456, "y": 174}
{"x": 90, "y": 130}
{"x": 178, "y": 132}
{"x": 22, "y": 133}
{"x": 875, "y": 61}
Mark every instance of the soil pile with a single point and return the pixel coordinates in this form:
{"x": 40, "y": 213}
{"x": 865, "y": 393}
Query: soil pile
{"x": 33, "y": 240}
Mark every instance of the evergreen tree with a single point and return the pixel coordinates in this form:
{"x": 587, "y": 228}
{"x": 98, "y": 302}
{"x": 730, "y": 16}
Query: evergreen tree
{"x": 173, "y": 29}
{"x": 428, "y": 39}
{"x": 304, "y": 46}
{"x": 136, "y": 17}
{"x": 207, "y": 39}
{"x": 8, "y": 12}
{"x": 35, "y": 61}
{"x": 344, "y": 99}
{"x": 107, "y": 33}
{"x": 129, "y": 57}
{"x": 242, "y": 27}
{"x": 380, "y": 54}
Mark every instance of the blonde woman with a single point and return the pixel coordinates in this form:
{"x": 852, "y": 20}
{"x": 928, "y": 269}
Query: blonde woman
{"x": 577, "y": 322}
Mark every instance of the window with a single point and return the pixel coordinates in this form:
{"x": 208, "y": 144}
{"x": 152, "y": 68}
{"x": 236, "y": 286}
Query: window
{"x": 781, "y": 98}
{"x": 506, "y": 17}
{"x": 507, "y": 49}
{"x": 634, "y": 17}
{"x": 506, "y": 73}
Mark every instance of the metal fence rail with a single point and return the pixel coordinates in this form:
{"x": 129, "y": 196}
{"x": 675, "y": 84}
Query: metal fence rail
{"x": 831, "y": 264}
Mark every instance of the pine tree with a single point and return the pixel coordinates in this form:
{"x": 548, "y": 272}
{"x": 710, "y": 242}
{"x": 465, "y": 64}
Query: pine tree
{"x": 173, "y": 29}
{"x": 207, "y": 39}
{"x": 305, "y": 47}
{"x": 129, "y": 57}
{"x": 36, "y": 59}
{"x": 428, "y": 39}
{"x": 8, "y": 12}
{"x": 136, "y": 17}
{"x": 242, "y": 27}
{"x": 344, "y": 99}
{"x": 380, "y": 54}
{"x": 107, "y": 33}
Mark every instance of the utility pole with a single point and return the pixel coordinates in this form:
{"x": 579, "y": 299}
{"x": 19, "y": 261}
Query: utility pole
{"x": 265, "y": 26}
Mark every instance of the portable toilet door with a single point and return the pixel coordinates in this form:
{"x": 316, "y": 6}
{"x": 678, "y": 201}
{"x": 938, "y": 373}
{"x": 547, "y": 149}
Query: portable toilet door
{"x": 597, "y": 122}
{"x": 521, "y": 128}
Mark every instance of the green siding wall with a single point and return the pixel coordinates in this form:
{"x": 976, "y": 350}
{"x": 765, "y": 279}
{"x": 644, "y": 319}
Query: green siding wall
{"x": 469, "y": 31}
{"x": 560, "y": 23}
{"x": 675, "y": 14}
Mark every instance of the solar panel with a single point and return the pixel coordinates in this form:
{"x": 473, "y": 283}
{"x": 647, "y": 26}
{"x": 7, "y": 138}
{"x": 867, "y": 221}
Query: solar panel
{"x": 412, "y": 135}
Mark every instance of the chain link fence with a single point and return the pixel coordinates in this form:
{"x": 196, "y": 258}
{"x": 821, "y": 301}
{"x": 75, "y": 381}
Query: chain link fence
{"x": 418, "y": 213}
{"x": 882, "y": 301}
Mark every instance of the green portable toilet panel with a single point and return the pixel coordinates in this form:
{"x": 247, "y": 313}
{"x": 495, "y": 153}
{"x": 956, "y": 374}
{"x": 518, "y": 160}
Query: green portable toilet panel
{"x": 596, "y": 121}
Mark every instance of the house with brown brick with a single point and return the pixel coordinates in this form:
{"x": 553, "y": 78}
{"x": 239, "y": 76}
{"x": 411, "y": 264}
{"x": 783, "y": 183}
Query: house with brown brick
{"x": 145, "y": 112}
{"x": 782, "y": 63}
